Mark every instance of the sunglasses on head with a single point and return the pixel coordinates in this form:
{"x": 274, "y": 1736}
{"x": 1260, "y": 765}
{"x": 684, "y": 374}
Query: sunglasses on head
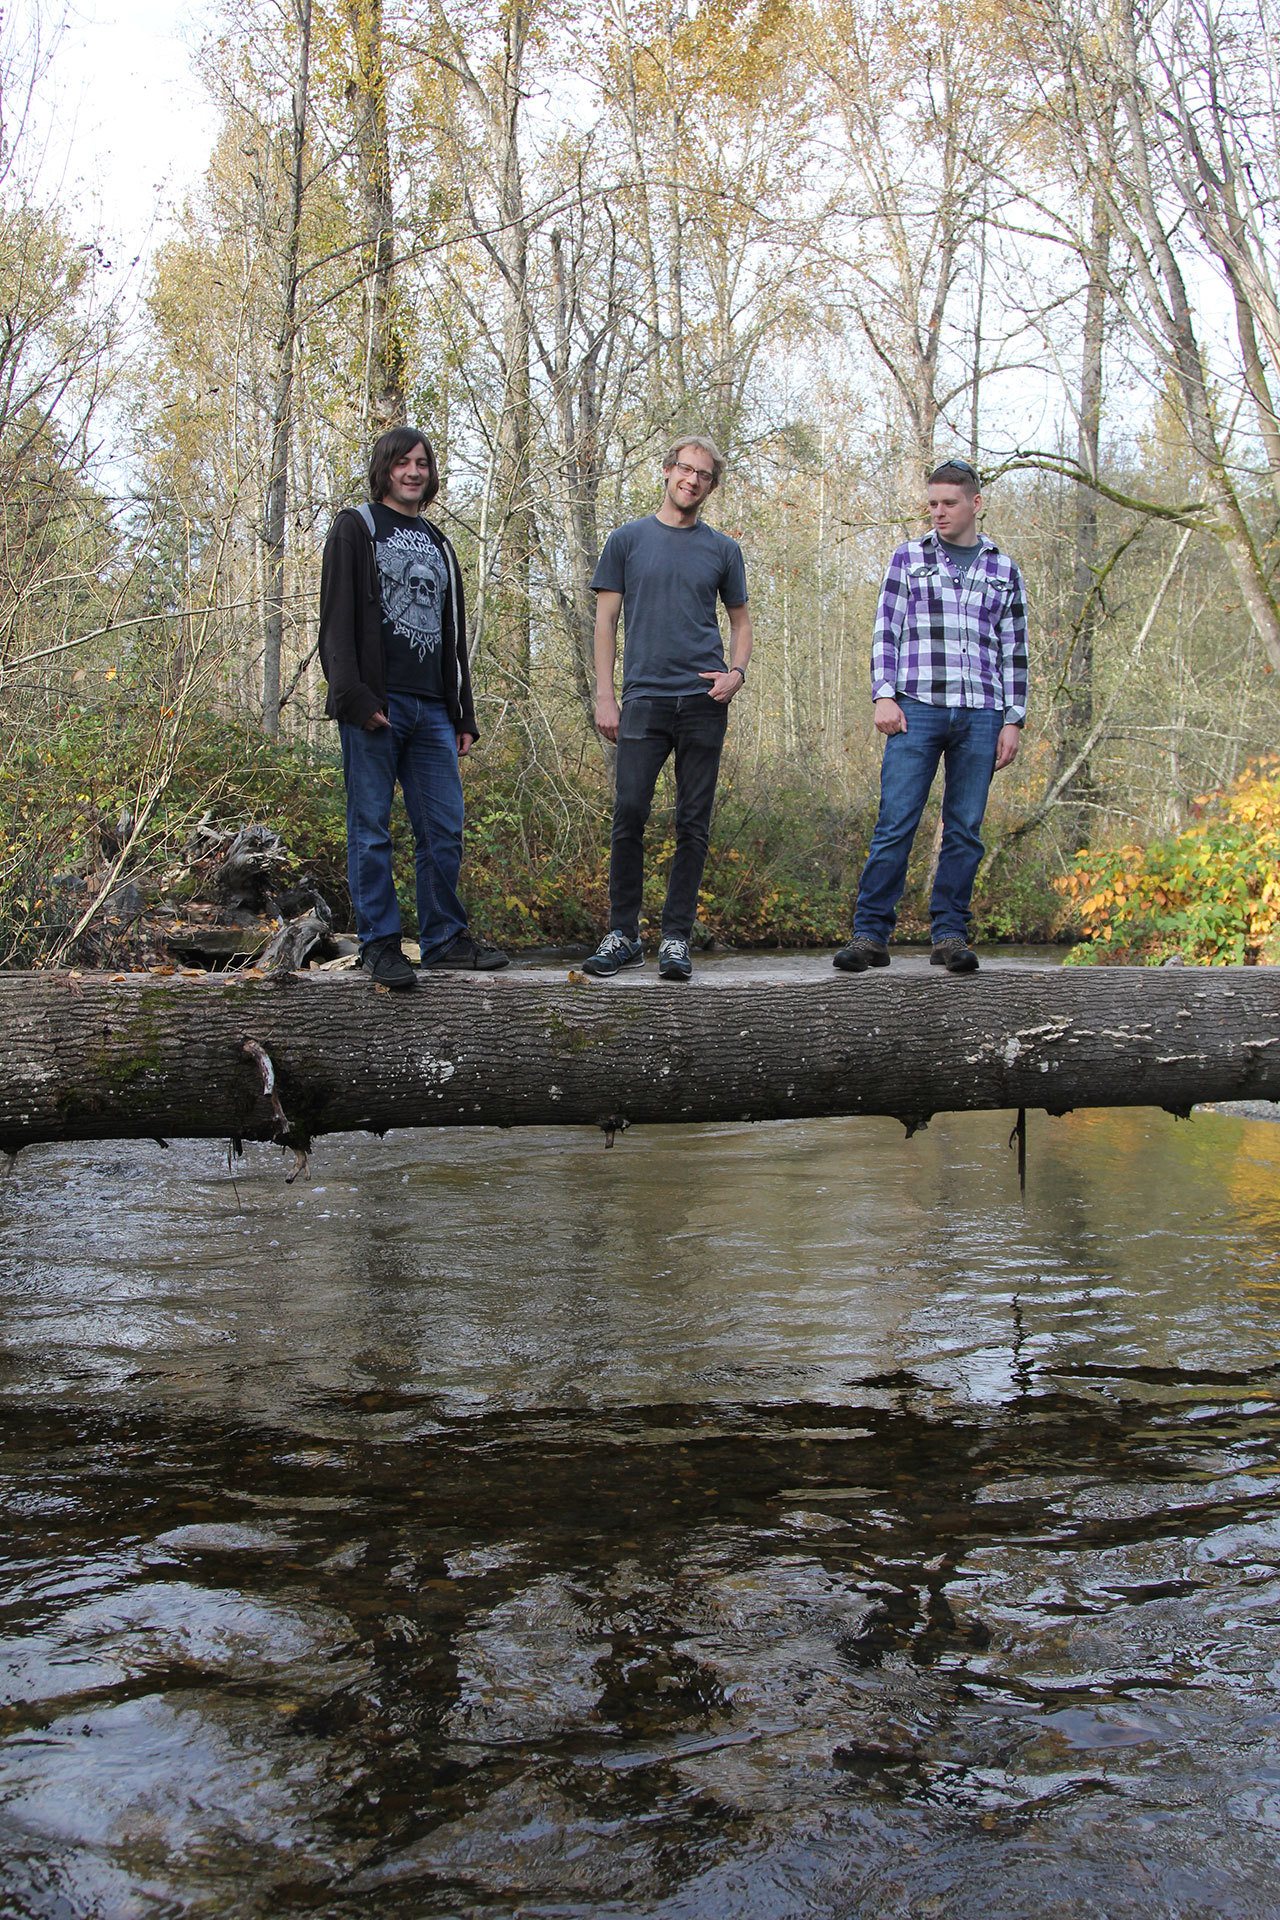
{"x": 961, "y": 466}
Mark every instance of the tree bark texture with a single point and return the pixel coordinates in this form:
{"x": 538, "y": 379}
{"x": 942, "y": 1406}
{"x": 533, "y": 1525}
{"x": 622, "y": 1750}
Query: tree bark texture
{"x": 100, "y": 1056}
{"x": 1072, "y": 760}
{"x": 276, "y": 505}
{"x": 385, "y": 404}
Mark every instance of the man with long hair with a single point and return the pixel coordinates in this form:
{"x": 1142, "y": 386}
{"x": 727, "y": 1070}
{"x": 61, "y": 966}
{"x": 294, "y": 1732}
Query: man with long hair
{"x": 393, "y": 646}
{"x": 666, "y": 575}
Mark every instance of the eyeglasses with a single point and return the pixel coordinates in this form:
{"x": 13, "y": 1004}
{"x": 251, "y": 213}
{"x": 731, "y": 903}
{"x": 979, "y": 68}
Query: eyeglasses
{"x": 703, "y": 475}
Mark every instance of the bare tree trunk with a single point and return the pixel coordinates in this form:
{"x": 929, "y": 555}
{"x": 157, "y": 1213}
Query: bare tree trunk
{"x": 644, "y": 208}
{"x": 1077, "y": 684}
{"x": 1158, "y": 266}
{"x": 513, "y": 614}
{"x": 276, "y": 505}
{"x": 93, "y": 1056}
{"x": 384, "y": 381}
{"x": 579, "y": 480}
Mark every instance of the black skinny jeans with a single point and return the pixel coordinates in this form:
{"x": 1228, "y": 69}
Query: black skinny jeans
{"x": 693, "y": 727}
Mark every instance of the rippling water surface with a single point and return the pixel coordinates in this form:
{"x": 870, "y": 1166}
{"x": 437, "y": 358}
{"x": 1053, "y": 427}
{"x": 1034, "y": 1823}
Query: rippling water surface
{"x": 775, "y": 1521}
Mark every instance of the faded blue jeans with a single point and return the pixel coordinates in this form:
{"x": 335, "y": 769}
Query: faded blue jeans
{"x": 420, "y": 750}
{"x": 964, "y": 740}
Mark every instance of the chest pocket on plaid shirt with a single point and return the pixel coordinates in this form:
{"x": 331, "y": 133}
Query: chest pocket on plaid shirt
{"x": 996, "y": 595}
{"x": 925, "y": 586}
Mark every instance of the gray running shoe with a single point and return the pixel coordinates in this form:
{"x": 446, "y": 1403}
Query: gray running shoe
{"x": 862, "y": 952}
{"x": 673, "y": 960}
{"x": 613, "y": 954}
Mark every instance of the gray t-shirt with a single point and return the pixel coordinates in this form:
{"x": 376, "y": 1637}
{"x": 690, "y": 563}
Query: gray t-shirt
{"x": 671, "y": 580}
{"x": 962, "y": 557}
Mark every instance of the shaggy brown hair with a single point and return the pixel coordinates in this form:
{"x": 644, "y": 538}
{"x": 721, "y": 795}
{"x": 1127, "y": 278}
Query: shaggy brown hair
{"x": 392, "y": 446}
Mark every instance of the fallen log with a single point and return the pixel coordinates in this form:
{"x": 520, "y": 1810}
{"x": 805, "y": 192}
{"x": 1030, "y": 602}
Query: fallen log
{"x": 100, "y": 1056}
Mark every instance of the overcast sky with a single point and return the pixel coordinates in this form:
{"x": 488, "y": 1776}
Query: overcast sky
{"x": 129, "y": 129}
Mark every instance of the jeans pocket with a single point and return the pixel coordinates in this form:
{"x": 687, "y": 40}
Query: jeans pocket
{"x": 710, "y": 716}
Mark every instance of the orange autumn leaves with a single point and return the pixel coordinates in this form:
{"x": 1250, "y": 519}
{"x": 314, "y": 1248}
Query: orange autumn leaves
{"x": 1210, "y": 894}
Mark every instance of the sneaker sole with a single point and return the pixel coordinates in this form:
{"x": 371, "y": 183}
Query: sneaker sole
{"x": 674, "y": 973}
{"x": 607, "y": 973}
{"x": 965, "y": 966}
{"x": 463, "y": 966}
{"x": 846, "y": 966}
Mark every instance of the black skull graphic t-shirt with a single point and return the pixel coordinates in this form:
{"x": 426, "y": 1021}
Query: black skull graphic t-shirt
{"x": 414, "y": 583}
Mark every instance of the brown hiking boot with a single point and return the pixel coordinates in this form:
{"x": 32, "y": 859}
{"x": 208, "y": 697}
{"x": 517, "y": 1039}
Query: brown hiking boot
{"x": 862, "y": 952}
{"x": 957, "y": 956}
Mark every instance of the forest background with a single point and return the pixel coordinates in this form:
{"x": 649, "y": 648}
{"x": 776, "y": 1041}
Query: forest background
{"x": 846, "y": 238}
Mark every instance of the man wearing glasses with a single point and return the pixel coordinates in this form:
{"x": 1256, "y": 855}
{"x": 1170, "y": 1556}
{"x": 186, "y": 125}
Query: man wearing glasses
{"x": 949, "y": 681}
{"x": 666, "y": 575}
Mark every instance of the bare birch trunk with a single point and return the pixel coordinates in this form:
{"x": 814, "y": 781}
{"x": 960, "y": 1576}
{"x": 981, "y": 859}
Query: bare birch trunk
{"x": 1077, "y": 724}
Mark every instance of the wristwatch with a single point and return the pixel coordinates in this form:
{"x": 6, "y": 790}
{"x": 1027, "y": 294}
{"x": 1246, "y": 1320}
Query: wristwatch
{"x": 742, "y": 671}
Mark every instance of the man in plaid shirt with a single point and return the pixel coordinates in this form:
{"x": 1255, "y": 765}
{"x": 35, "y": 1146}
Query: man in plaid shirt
{"x": 949, "y": 681}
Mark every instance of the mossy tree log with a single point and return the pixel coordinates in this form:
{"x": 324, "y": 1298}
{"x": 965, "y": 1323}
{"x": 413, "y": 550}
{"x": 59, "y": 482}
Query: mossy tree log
{"x": 99, "y": 1056}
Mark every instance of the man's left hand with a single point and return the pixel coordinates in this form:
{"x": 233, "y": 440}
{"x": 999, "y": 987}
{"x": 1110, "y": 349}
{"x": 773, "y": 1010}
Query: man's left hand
{"x": 723, "y": 685}
{"x": 465, "y": 743}
{"x": 1010, "y": 738}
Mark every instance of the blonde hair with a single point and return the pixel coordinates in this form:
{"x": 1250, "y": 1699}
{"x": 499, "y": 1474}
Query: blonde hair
{"x": 701, "y": 442}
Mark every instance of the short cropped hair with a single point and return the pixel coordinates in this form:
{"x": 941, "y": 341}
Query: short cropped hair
{"x": 391, "y": 447}
{"x": 957, "y": 473}
{"x": 701, "y": 442}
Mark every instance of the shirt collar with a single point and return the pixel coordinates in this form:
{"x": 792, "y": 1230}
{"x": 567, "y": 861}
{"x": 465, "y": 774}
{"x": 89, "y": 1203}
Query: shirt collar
{"x": 985, "y": 542}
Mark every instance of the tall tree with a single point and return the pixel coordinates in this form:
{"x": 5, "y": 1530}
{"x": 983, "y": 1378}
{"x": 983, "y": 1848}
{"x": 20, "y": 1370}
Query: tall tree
{"x": 477, "y": 96}
{"x": 1113, "y": 86}
{"x": 282, "y": 409}
{"x": 919, "y": 108}
{"x": 384, "y": 357}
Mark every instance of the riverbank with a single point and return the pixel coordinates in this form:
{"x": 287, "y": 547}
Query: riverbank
{"x": 787, "y": 846}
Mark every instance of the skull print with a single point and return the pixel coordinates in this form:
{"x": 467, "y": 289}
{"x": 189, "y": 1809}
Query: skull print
{"x": 412, "y": 576}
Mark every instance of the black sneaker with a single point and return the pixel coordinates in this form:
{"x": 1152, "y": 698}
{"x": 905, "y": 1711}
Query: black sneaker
{"x": 862, "y": 952}
{"x": 614, "y": 953}
{"x": 466, "y": 955}
{"x": 386, "y": 965}
{"x": 673, "y": 960}
{"x": 956, "y": 955}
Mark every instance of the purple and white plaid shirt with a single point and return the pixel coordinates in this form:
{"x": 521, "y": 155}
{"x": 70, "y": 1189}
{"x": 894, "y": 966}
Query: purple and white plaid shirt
{"x": 949, "y": 640}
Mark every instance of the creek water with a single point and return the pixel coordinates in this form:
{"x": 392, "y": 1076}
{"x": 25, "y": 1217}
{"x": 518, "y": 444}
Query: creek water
{"x": 747, "y": 1521}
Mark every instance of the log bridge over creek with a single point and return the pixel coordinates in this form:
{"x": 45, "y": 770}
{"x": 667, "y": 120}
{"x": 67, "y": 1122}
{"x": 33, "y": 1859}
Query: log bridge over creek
{"x": 289, "y": 1056}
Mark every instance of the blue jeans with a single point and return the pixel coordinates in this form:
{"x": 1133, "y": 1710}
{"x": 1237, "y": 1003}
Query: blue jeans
{"x": 964, "y": 739}
{"x": 692, "y": 726}
{"x": 420, "y": 750}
